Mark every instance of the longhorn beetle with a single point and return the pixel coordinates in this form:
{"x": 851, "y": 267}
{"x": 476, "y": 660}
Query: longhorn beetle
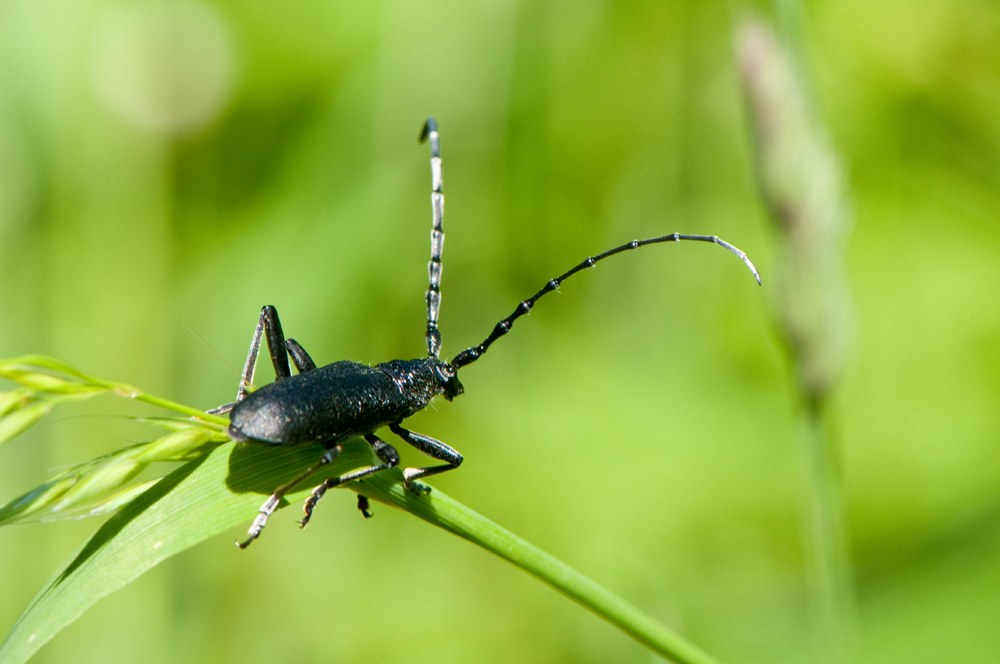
{"x": 331, "y": 404}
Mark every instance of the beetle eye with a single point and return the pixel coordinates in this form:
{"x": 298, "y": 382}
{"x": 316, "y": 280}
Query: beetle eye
{"x": 444, "y": 372}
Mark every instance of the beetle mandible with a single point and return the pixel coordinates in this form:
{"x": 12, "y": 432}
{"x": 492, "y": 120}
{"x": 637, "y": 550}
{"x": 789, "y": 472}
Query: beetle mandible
{"x": 343, "y": 400}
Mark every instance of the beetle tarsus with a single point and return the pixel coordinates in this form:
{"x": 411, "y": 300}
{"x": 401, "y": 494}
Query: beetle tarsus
{"x": 363, "y": 506}
{"x": 418, "y": 489}
{"x": 266, "y": 510}
{"x": 310, "y": 504}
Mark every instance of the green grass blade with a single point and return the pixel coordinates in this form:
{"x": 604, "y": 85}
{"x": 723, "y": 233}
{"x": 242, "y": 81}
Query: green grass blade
{"x": 15, "y": 399}
{"x": 447, "y": 513}
{"x": 20, "y": 420}
{"x": 225, "y": 488}
{"x": 201, "y": 499}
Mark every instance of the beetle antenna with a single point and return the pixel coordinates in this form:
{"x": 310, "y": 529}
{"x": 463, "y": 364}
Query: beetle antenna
{"x": 430, "y": 131}
{"x": 470, "y": 355}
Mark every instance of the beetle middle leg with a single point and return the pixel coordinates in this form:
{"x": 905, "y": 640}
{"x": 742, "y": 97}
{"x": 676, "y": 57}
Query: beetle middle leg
{"x": 385, "y": 452}
{"x": 271, "y": 504}
{"x": 432, "y": 448}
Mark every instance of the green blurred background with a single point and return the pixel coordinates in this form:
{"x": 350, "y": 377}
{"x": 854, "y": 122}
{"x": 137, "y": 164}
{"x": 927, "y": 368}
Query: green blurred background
{"x": 165, "y": 170}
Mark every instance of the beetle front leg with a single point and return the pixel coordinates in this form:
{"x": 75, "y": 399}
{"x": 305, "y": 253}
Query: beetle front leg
{"x": 432, "y": 448}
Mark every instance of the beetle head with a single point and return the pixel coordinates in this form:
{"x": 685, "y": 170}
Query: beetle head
{"x": 448, "y": 379}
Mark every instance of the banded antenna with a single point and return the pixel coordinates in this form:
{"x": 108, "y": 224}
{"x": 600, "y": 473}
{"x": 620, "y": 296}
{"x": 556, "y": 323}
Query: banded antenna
{"x": 430, "y": 131}
{"x": 470, "y": 355}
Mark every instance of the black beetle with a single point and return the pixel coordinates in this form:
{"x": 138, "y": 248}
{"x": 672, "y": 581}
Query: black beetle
{"x": 345, "y": 399}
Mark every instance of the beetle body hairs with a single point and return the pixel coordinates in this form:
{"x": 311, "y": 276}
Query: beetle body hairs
{"x": 343, "y": 400}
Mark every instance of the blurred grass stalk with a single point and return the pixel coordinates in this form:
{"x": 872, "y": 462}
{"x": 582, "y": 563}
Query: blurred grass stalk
{"x": 93, "y": 487}
{"x": 800, "y": 181}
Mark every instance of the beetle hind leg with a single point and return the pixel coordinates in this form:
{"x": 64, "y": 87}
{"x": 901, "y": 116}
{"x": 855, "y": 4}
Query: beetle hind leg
{"x": 280, "y": 349}
{"x": 299, "y": 356}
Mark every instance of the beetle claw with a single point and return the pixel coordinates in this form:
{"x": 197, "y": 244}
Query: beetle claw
{"x": 418, "y": 489}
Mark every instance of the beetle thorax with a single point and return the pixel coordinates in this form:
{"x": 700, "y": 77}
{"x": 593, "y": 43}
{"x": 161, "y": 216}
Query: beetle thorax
{"x": 421, "y": 380}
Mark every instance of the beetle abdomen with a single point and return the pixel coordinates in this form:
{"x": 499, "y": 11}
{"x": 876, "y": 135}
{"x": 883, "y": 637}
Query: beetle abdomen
{"x": 331, "y": 403}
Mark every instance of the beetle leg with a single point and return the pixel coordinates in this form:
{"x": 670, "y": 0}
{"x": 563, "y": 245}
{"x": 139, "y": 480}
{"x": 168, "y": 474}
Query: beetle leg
{"x": 332, "y": 482}
{"x": 271, "y": 504}
{"x": 299, "y": 356}
{"x": 276, "y": 342}
{"x": 269, "y": 323}
{"x": 219, "y": 410}
{"x": 383, "y": 450}
{"x": 246, "y": 379}
{"x": 430, "y": 447}
{"x": 363, "y": 506}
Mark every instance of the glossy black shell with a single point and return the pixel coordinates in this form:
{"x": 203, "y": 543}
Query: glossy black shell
{"x": 338, "y": 401}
